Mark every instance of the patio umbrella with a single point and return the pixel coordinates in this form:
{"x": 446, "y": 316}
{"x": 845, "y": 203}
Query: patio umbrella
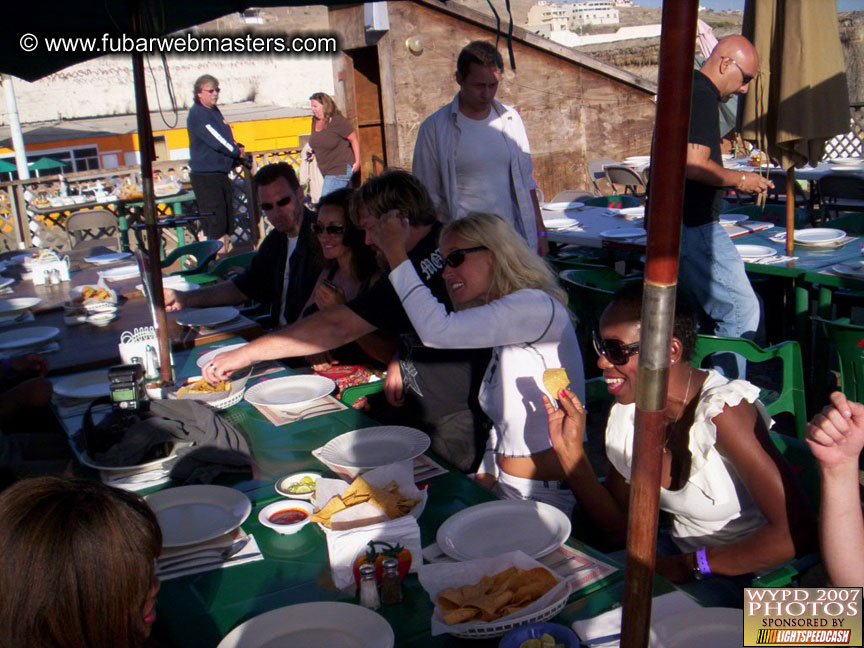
{"x": 7, "y": 167}
{"x": 800, "y": 99}
{"x": 45, "y": 164}
{"x": 30, "y": 51}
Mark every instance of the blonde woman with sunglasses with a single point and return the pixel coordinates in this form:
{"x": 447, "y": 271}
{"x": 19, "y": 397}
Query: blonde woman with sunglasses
{"x": 507, "y": 298}
{"x": 735, "y": 506}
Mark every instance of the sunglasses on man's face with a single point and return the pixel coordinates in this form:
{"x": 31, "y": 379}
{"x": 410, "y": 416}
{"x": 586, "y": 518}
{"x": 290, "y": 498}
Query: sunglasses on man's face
{"x": 613, "y": 350}
{"x": 279, "y": 203}
{"x": 457, "y": 257}
{"x": 334, "y": 230}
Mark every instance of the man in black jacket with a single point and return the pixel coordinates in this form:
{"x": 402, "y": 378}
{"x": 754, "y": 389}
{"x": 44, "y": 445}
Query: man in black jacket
{"x": 284, "y": 271}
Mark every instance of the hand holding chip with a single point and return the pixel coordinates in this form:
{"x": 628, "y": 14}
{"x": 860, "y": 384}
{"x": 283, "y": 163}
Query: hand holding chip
{"x": 566, "y": 428}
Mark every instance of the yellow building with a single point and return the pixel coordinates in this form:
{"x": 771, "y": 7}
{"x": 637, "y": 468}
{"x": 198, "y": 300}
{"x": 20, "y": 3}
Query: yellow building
{"x": 110, "y": 142}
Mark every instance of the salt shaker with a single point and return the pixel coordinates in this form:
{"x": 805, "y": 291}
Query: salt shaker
{"x": 391, "y": 584}
{"x": 369, "y": 588}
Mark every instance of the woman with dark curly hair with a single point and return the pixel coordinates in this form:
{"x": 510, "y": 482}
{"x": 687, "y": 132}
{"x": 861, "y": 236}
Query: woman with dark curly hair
{"x": 77, "y": 562}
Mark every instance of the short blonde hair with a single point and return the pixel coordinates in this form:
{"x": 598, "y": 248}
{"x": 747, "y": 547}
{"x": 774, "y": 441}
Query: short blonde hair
{"x": 515, "y": 265}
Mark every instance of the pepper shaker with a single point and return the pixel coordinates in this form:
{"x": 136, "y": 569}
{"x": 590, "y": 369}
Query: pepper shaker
{"x": 391, "y": 584}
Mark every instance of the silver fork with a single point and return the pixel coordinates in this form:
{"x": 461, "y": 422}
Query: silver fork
{"x": 314, "y": 409}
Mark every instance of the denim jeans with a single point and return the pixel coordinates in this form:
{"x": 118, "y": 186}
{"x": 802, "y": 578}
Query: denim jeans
{"x": 334, "y": 182}
{"x": 712, "y": 274}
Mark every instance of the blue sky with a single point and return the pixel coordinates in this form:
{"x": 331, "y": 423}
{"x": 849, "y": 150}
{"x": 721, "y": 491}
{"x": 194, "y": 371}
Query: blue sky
{"x": 721, "y": 5}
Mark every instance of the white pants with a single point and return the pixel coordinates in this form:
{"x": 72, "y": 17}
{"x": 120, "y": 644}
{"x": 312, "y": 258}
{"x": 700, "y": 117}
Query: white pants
{"x": 556, "y": 493}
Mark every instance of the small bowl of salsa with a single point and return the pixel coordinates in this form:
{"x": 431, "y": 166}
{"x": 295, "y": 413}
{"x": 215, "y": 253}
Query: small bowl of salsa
{"x": 286, "y": 516}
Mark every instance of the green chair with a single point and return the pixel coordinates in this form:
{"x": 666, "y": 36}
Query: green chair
{"x": 350, "y": 394}
{"x": 801, "y": 460}
{"x": 848, "y": 339}
{"x": 791, "y": 397}
{"x": 202, "y": 251}
{"x": 614, "y": 201}
{"x": 589, "y": 291}
{"x": 770, "y": 213}
{"x": 227, "y": 267}
{"x": 850, "y": 223}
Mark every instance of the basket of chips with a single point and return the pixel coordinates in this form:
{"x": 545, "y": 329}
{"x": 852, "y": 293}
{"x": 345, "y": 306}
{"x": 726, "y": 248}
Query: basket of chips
{"x": 485, "y": 598}
{"x": 92, "y": 298}
{"x": 221, "y": 395}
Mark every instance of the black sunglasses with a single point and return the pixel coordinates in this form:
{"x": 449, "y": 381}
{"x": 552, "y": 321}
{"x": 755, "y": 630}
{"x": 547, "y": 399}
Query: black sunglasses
{"x": 457, "y": 257}
{"x": 279, "y": 203}
{"x": 334, "y": 230}
{"x": 615, "y": 352}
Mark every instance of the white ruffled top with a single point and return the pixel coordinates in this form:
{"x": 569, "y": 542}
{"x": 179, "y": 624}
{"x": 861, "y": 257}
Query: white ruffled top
{"x": 713, "y": 508}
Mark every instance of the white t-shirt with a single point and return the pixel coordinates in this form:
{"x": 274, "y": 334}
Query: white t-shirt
{"x": 292, "y": 245}
{"x": 713, "y": 508}
{"x": 483, "y": 169}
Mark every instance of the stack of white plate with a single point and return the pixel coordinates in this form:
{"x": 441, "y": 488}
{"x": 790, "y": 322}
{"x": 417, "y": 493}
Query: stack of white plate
{"x": 755, "y": 252}
{"x": 31, "y": 337}
{"x": 814, "y": 236}
{"x": 850, "y": 269}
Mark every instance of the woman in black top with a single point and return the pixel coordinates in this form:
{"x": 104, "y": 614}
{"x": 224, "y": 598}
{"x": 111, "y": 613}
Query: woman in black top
{"x": 334, "y": 143}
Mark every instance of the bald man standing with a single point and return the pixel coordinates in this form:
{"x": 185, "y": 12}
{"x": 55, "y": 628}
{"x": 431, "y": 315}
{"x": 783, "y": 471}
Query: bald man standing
{"x": 711, "y": 271}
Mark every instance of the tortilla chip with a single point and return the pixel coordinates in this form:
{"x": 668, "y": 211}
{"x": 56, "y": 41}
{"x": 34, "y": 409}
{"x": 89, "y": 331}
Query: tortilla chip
{"x": 493, "y": 597}
{"x": 323, "y": 515}
{"x": 554, "y": 380}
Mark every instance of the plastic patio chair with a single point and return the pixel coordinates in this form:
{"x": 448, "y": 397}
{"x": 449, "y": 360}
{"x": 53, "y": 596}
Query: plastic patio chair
{"x": 597, "y": 173}
{"x": 92, "y": 227}
{"x": 614, "y": 201}
{"x": 848, "y": 340}
{"x": 791, "y": 397}
{"x": 203, "y": 252}
{"x": 589, "y": 291}
{"x": 770, "y": 213}
{"x": 839, "y": 192}
{"x": 226, "y": 268}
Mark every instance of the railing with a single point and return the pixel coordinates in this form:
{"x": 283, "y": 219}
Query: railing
{"x": 849, "y": 144}
{"x": 22, "y": 227}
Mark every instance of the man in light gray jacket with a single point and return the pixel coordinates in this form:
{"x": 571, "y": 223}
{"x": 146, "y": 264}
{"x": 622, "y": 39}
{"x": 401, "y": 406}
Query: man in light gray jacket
{"x": 473, "y": 154}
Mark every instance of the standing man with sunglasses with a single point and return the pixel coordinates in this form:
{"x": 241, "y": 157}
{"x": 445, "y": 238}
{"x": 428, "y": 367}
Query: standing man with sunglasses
{"x": 285, "y": 269}
{"x": 213, "y": 153}
{"x": 711, "y": 271}
{"x": 473, "y": 154}
{"x": 434, "y": 390}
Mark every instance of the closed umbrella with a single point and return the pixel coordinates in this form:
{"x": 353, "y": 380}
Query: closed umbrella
{"x": 800, "y": 99}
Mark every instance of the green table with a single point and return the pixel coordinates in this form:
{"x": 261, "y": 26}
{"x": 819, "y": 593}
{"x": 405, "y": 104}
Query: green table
{"x": 173, "y": 205}
{"x": 199, "y": 610}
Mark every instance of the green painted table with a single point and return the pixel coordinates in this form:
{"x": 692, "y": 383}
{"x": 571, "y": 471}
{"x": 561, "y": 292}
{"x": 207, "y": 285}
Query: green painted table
{"x": 198, "y": 610}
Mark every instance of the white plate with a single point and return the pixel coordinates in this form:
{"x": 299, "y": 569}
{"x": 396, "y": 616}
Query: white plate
{"x": 633, "y": 212}
{"x": 85, "y": 459}
{"x": 18, "y": 304}
{"x": 563, "y": 206}
{"x": 207, "y": 316}
{"x": 624, "y": 233}
{"x": 492, "y": 528}
{"x": 703, "y": 627}
{"x": 6, "y": 281}
{"x": 816, "y": 235}
{"x": 174, "y": 283}
{"x": 191, "y": 514}
{"x": 755, "y": 251}
{"x": 558, "y": 223}
{"x": 91, "y": 384}
{"x": 846, "y": 162}
{"x": 850, "y": 270}
{"x": 376, "y": 446}
{"x": 846, "y": 169}
{"x": 289, "y": 391}
{"x": 207, "y": 357}
{"x": 313, "y": 625}
{"x": 121, "y": 272}
{"x": 25, "y": 337}
{"x": 111, "y": 257}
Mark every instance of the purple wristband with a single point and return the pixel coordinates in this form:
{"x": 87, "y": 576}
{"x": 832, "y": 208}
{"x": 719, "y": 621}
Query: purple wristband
{"x": 702, "y": 563}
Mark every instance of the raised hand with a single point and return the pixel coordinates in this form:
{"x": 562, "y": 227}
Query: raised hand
{"x": 566, "y": 428}
{"x": 836, "y": 435}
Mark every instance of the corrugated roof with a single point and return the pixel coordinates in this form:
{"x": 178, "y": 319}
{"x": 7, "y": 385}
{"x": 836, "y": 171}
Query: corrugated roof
{"x": 66, "y": 129}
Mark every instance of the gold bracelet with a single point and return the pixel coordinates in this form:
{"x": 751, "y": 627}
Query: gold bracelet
{"x": 742, "y": 181}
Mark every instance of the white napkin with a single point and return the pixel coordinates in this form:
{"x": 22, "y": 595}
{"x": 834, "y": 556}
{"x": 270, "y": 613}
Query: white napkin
{"x": 249, "y": 553}
{"x": 609, "y": 623}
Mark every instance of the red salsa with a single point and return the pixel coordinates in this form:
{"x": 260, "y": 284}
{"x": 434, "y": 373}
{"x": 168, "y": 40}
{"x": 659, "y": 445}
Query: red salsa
{"x": 288, "y": 516}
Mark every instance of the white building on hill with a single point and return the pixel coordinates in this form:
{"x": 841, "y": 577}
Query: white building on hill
{"x": 545, "y": 17}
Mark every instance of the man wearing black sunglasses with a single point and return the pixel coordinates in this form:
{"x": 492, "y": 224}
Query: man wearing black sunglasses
{"x": 286, "y": 266}
{"x": 431, "y": 389}
{"x": 711, "y": 271}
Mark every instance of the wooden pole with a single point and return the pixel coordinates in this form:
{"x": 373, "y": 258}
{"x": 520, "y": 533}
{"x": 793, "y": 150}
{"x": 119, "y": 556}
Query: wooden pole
{"x": 147, "y": 151}
{"x": 669, "y": 157}
{"x": 790, "y": 211}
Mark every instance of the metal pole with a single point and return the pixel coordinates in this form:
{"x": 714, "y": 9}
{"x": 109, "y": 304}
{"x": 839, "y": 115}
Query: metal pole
{"x": 669, "y": 157}
{"x": 147, "y": 152}
{"x": 15, "y": 129}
